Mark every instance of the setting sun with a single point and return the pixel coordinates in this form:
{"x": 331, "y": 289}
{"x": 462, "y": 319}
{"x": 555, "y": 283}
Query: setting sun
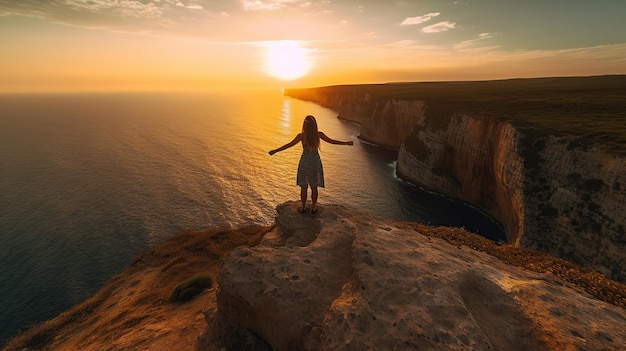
{"x": 287, "y": 60}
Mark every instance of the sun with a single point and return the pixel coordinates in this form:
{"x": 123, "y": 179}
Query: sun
{"x": 286, "y": 60}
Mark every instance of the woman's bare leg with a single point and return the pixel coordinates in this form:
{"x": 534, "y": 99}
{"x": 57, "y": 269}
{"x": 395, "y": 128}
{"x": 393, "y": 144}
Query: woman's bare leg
{"x": 314, "y": 198}
{"x": 303, "y": 195}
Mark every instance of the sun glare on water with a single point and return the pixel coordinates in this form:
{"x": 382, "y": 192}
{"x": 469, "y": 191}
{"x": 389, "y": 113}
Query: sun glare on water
{"x": 286, "y": 60}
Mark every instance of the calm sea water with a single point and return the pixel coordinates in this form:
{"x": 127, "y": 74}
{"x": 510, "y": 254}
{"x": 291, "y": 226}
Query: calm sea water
{"x": 87, "y": 181}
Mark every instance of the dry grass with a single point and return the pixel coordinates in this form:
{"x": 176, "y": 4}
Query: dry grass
{"x": 591, "y": 282}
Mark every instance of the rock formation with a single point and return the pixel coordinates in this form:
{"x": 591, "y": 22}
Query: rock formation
{"x": 344, "y": 280}
{"x": 541, "y": 156}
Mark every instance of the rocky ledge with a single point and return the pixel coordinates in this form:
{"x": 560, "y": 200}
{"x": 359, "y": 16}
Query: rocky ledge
{"x": 346, "y": 280}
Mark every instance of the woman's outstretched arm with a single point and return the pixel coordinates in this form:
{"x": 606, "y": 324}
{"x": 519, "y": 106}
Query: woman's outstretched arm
{"x": 333, "y": 141}
{"x": 295, "y": 140}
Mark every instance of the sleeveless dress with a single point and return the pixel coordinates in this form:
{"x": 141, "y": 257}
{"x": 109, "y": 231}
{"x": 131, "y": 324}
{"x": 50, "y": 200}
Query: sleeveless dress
{"x": 310, "y": 171}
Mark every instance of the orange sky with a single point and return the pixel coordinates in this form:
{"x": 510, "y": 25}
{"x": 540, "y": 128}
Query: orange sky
{"x": 108, "y": 45}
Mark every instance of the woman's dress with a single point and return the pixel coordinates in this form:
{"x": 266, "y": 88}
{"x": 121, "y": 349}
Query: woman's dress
{"x": 310, "y": 171}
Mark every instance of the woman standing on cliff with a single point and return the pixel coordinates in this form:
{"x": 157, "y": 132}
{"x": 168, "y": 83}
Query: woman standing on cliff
{"x": 310, "y": 171}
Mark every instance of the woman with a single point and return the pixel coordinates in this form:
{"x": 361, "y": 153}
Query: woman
{"x": 310, "y": 171}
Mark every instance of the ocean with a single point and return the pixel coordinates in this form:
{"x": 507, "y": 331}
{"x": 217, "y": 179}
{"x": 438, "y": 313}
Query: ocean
{"x": 88, "y": 181}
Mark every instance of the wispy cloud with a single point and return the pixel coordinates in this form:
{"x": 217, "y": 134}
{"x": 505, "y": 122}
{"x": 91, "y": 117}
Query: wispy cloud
{"x": 419, "y": 19}
{"x": 65, "y": 10}
{"x": 410, "y": 48}
{"x": 70, "y": 11}
{"x": 117, "y": 15}
{"x": 130, "y": 8}
{"x": 190, "y": 6}
{"x": 256, "y": 5}
{"x": 439, "y": 27}
{"x": 403, "y": 43}
{"x": 471, "y": 42}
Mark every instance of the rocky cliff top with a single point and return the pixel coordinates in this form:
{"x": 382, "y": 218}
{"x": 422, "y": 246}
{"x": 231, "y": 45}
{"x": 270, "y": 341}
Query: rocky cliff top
{"x": 346, "y": 280}
{"x": 343, "y": 280}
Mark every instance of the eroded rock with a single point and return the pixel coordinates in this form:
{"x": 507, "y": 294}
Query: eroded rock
{"x": 348, "y": 280}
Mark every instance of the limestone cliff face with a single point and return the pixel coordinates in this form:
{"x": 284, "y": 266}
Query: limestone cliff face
{"x": 472, "y": 159}
{"x": 548, "y": 192}
{"x": 560, "y": 194}
{"x": 575, "y": 203}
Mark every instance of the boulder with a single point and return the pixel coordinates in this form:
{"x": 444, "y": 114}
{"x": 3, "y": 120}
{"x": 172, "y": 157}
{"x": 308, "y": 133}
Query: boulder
{"x": 346, "y": 280}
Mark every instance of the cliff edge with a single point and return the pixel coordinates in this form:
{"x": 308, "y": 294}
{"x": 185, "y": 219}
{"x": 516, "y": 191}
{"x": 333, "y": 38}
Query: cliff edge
{"x": 544, "y": 157}
{"x": 343, "y": 280}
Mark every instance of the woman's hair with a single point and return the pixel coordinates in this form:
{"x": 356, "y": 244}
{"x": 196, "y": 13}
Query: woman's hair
{"x": 310, "y": 136}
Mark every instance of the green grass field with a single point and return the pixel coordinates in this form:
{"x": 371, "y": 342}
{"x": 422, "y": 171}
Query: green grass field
{"x": 593, "y": 108}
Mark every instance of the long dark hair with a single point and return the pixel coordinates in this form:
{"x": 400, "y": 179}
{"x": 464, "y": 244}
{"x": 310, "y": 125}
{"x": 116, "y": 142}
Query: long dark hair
{"x": 310, "y": 135}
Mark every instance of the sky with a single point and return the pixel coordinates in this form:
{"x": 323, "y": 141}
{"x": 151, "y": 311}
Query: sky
{"x": 133, "y": 45}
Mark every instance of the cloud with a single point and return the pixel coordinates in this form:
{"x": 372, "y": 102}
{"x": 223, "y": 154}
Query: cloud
{"x": 76, "y": 12}
{"x": 190, "y": 6}
{"x": 73, "y": 11}
{"x": 145, "y": 16}
{"x": 256, "y": 5}
{"x": 131, "y": 8}
{"x": 467, "y": 43}
{"x": 419, "y": 19}
{"x": 439, "y": 27}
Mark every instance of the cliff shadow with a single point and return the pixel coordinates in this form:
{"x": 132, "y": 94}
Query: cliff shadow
{"x": 497, "y": 314}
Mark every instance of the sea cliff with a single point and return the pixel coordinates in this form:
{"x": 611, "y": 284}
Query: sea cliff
{"x": 544, "y": 157}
